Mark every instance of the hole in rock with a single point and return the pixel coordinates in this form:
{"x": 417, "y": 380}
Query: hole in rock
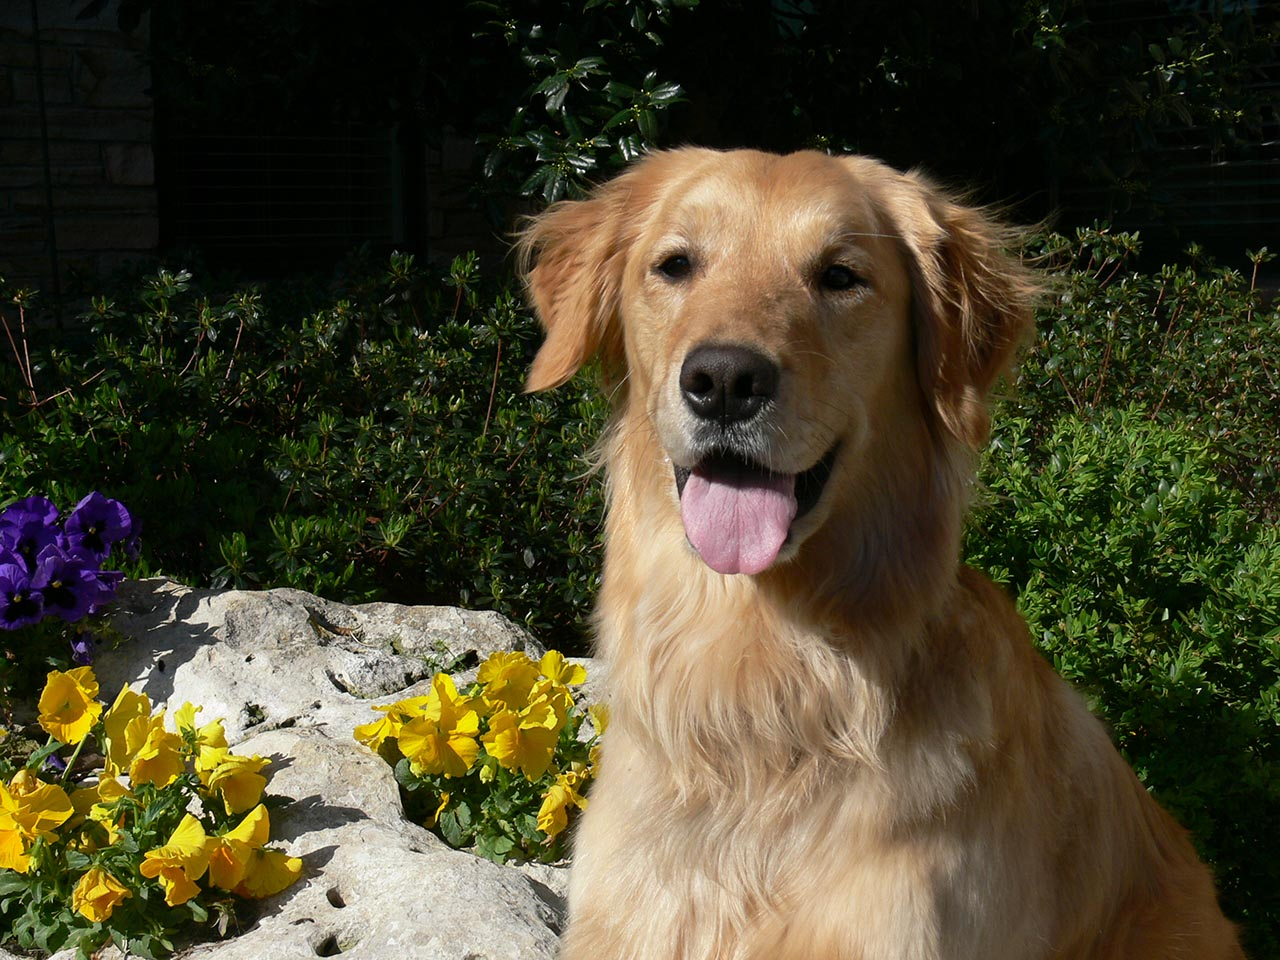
{"x": 328, "y": 947}
{"x": 335, "y": 898}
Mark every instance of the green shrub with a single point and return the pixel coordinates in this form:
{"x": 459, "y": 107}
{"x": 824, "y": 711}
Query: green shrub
{"x": 378, "y": 447}
{"x": 1191, "y": 344}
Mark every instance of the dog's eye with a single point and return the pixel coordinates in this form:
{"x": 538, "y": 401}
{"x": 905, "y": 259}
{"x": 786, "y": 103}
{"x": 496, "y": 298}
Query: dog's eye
{"x": 839, "y": 277}
{"x": 675, "y": 267}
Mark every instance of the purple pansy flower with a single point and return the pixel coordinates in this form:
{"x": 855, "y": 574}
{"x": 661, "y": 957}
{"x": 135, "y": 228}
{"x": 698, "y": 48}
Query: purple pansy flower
{"x": 83, "y": 647}
{"x": 42, "y": 508}
{"x": 27, "y": 527}
{"x": 20, "y": 604}
{"x": 70, "y": 586}
{"x": 96, "y": 523}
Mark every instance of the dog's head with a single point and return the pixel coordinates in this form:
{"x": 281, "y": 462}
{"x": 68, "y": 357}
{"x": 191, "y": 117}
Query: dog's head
{"x": 774, "y": 323}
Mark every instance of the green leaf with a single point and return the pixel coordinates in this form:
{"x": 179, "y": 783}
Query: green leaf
{"x": 13, "y": 882}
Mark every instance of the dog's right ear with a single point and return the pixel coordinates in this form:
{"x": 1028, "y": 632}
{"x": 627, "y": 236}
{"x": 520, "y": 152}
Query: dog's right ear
{"x": 572, "y": 257}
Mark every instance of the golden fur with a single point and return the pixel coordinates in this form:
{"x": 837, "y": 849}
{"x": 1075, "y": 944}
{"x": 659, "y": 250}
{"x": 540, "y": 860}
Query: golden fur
{"x": 855, "y": 753}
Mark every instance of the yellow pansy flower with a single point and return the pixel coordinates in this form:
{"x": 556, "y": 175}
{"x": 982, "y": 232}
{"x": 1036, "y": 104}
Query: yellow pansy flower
{"x": 238, "y": 861}
{"x": 229, "y": 854}
{"x": 109, "y": 790}
{"x": 97, "y": 894}
{"x": 556, "y": 697}
{"x": 599, "y": 714}
{"x": 180, "y": 862}
{"x": 558, "y": 670}
{"x": 377, "y": 732}
{"x": 68, "y": 704}
{"x": 268, "y": 872}
{"x": 29, "y": 809}
{"x": 507, "y": 679}
{"x": 553, "y": 816}
{"x": 442, "y": 739}
{"x": 526, "y": 740}
{"x": 126, "y": 724}
{"x": 235, "y": 778}
{"x": 159, "y": 759}
{"x": 211, "y": 737}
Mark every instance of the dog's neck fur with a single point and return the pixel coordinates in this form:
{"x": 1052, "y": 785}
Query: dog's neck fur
{"x": 719, "y": 658}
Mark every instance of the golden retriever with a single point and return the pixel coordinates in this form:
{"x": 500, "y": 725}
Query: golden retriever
{"x": 829, "y": 738}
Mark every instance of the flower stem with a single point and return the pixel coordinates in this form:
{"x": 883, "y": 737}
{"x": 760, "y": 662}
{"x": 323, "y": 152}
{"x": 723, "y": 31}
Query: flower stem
{"x": 75, "y": 755}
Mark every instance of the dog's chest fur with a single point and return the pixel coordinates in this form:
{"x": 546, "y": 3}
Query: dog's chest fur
{"x": 746, "y": 755}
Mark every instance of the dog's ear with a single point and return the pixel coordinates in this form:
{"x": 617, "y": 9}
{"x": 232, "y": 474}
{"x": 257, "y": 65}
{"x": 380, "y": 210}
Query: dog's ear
{"x": 572, "y": 257}
{"x": 973, "y": 303}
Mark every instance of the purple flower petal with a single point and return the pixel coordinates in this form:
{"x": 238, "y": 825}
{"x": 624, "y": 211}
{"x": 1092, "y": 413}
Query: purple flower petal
{"x": 83, "y": 647}
{"x": 25, "y": 533}
{"x": 38, "y": 508}
{"x": 70, "y": 588}
{"x": 96, "y": 523}
{"x": 20, "y": 604}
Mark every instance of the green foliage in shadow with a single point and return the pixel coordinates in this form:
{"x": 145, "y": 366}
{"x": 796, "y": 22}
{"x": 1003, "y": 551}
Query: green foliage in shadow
{"x": 379, "y": 446}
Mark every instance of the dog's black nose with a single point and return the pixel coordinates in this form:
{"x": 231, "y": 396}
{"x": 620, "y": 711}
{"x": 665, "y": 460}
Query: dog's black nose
{"x": 727, "y": 383}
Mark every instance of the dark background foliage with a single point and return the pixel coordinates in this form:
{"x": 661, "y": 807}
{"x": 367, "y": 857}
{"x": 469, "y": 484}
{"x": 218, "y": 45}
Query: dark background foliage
{"x": 1070, "y": 108}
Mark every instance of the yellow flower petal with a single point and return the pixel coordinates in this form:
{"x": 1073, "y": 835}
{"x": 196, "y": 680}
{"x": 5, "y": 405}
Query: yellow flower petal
{"x": 127, "y": 724}
{"x": 187, "y": 850}
{"x": 599, "y": 714}
{"x": 254, "y": 829}
{"x": 228, "y": 862}
{"x": 97, "y": 894}
{"x": 68, "y": 704}
{"x": 558, "y": 670}
{"x": 178, "y": 887}
{"x": 159, "y": 759}
{"x": 524, "y": 741}
{"x": 507, "y": 679}
{"x": 237, "y": 780}
{"x": 269, "y": 872}
{"x": 13, "y": 851}
{"x": 435, "y": 817}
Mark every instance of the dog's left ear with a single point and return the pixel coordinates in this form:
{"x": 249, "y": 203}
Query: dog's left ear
{"x": 572, "y": 257}
{"x": 973, "y": 303}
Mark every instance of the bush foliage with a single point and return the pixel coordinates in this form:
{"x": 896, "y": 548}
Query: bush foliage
{"x": 378, "y": 446}
{"x": 375, "y": 442}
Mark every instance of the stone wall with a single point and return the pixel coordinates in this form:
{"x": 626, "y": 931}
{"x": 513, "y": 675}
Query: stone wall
{"x": 101, "y": 171}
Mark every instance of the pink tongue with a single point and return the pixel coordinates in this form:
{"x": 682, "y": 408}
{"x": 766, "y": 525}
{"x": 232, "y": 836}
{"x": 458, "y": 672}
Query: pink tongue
{"x": 737, "y": 521}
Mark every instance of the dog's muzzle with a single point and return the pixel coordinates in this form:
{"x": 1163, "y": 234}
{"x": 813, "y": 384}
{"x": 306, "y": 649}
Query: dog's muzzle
{"x": 737, "y": 513}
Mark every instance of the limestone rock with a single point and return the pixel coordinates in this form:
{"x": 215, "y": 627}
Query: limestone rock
{"x": 292, "y": 675}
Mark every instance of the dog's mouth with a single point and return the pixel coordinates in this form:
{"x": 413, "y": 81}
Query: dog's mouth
{"x": 738, "y": 515}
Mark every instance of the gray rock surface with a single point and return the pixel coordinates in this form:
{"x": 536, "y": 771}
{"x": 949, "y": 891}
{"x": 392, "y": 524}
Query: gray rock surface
{"x": 292, "y": 675}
